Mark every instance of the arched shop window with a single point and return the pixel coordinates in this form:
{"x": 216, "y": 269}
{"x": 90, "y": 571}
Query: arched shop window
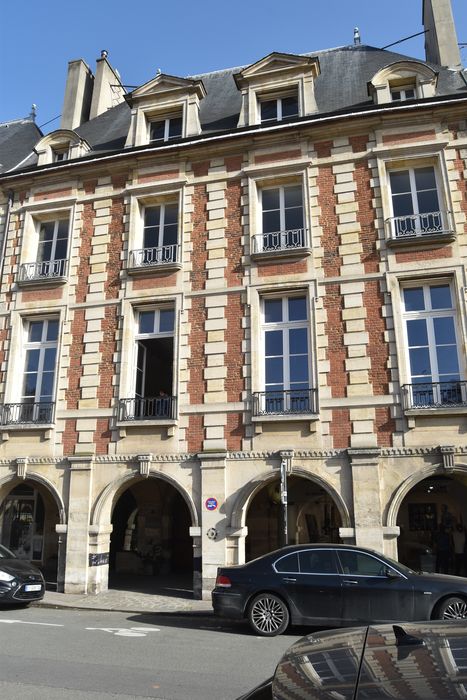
{"x": 22, "y": 522}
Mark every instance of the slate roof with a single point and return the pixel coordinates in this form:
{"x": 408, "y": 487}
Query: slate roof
{"x": 17, "y": 139}
{"x": 342, "y": 84}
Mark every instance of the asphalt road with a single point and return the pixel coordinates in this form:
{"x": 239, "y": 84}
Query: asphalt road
{"x": 50, "y": 654}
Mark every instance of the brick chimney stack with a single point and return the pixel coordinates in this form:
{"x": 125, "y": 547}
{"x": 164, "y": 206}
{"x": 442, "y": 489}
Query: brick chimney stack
{"x": 441, "y": 44}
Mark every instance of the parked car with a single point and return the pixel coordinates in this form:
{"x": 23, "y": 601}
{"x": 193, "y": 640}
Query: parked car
{"x": 413, "y": 661}
{"x": 333, "y": 585}
{"x": 20, "y": 581}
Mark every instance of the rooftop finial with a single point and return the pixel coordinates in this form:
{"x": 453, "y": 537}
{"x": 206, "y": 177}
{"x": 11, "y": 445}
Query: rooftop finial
{"x": 104, "y": 53}
{"x": 33, "y": 112}
{"x": 356, "y": 36}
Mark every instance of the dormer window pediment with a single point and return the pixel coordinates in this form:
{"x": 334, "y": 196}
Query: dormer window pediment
{"x": 277, "y": 87}
{"x": 403, "y": 80}
{"x": 59, "y": 146}
{"x": 165, "y": 108}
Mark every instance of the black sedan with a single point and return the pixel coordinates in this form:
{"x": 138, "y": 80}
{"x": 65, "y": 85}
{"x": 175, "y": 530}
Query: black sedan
{"x": 333, "y": 585}
{"x": 20, "y": 581}
{"x": 420, "y": 661}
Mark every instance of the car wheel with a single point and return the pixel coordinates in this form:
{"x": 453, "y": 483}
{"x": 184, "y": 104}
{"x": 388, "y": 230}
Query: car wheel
{"x": 452, "y": 609}
{"x": 268, "y": 615}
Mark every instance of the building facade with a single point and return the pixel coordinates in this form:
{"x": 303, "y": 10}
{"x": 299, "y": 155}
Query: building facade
{"x": 212, "y": 279}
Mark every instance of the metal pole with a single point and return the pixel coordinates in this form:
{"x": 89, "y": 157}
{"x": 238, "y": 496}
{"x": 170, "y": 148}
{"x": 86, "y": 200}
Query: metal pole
{"x": 285, "y": 532}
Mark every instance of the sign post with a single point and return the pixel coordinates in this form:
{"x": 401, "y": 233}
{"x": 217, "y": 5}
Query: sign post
{"x": 285, "y": 533}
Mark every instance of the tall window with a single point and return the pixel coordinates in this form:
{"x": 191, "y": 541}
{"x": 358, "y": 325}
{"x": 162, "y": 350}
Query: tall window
{"x": 286, "y": 355}
{"x": 154, "y": 356}
{"x": 282, "y": 218}
{"x": 415, "y": 202}
{"x": 161, "y": 130}
{"x": 432, "y": 344}
{"x": 160, "y": 234}
{"x": 277, "y": 109}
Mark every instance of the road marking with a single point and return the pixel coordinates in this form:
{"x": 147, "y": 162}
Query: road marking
{"x": 125, "y": 632}
{"x": 26, "y": 622}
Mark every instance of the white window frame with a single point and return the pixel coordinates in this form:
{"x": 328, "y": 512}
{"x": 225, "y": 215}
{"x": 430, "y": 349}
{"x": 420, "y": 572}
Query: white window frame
{"x": 166, "y": 118}
{"x": 42, "y": 345}
{"x": 429, "y": 314}
{"x": 34, "y": 218}
{"x": 403, "y": 89}
{"x": 277, "y": 97}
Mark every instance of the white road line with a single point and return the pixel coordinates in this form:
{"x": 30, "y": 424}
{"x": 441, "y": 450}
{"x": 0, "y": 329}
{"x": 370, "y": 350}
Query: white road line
{"x": 26, "y": 622}
{"x": 125, "y": 632}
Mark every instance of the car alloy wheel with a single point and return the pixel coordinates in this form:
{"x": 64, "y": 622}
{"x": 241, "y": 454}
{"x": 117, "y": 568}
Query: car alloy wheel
{"x": 268, "y": 615}
{"x": 453, "y": 609}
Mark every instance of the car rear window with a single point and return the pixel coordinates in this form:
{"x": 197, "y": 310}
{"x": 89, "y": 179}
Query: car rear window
{"x": 288, "y": 564}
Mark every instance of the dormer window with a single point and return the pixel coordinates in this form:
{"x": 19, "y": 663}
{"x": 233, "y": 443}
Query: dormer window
{"x": 274, "y": 109}
{"x": 400, "y": 94}
{"x": 60, "y": 146}
{"x": 165, "y": 129}
{"x": 59, "y": 155}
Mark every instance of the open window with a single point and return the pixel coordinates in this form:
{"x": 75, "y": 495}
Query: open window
{"x": 153, "y": 367}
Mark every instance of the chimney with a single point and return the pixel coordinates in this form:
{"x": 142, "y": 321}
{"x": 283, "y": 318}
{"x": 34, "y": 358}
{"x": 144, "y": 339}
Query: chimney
{"x": 78, "y": 93}
{"x": 441, "y": 44}
{"x": 108, "y": 89}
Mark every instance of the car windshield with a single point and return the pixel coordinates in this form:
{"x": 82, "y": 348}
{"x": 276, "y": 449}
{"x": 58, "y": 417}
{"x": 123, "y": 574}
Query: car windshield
{"x": 5, "y": 553}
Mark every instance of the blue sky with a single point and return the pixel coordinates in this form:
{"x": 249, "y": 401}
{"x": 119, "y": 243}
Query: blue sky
{"x": 181, "y": 38}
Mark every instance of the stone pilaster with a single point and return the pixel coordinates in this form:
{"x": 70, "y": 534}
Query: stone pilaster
{"x": 77, "y": 550}
{"x": 366, "y": 489}
{"x": 213, "y": 522}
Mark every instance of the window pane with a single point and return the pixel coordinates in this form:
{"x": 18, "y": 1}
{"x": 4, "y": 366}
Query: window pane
{"x": 299, "y": 370}
{"x": 63, "y": 228}
{"x": 171, "y": 214}
{"x": 157, "y": 130}
{"x": 293, "y": 218}
{"x": 400, "y": 181}
{"x": 448, "y": 362}
{"x": 444, "y": 331}
{"x": 271, "y": 221}
{"x": 49, "y": 359}
{"x": 44, "y": 252}
{"x": 166, "y": 322}
{"x": 425, "y": 178}
{"x": 151, "y": 237}
{"x": 35, "y": 331}
{"x": 273, "y": 343}
{"x": 288, "y": 564}
{"x": 441, "y": 297}
{"x": 428, "y": 201}
{"x": 289, "y": 106}
{"x": 30, "y": 381}
{"x": 47, "y": 386}
{"x": 170, "y": 235}
{"x": 52, "y": 330}
{"x": 413, "y": 299}
{"x": 360, "y": 564}
{"x": 293, "y": 196}
{"x": 175, "y": 127}
{"x": 32, "y": 360}
{"x": 417, "y": 332}
{"x": 268, "y": 110}
{"x": 297, "y": 309}
{"x": 274, "y": 370}
{"x": 61, "y": 249}
{"x": 47, "y": 231}
{"x": 402, "y": 205}
{"x": 270, "y": 199}
{"x": 298, "y": 341}
{"x": 152, "y": 216}
{"x": 146, "y": 321}
{"x": 317, "y": 562}
{"x": 273, "y": 310}
{"x": 420, "y": 362}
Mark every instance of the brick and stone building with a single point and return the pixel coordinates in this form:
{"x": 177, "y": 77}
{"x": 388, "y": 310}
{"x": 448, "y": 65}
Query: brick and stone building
{"x": 210, "y": 277}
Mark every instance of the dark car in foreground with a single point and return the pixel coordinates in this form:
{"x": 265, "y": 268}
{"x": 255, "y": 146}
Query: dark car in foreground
{"x": 20, "y": 581}
{"x": 408, "y": 661}
{"x": 333, "y": 585}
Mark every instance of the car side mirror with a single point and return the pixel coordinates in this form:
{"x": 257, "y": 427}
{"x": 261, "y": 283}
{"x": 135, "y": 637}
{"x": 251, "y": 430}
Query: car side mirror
{"x": 391, "y": 573}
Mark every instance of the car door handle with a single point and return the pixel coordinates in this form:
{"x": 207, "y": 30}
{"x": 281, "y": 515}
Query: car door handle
{"x": 289, "y": 580}
{"x": 351, "y": 582}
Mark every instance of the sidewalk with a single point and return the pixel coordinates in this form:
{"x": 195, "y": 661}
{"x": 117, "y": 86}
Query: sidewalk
{"x": 126, "y": 601}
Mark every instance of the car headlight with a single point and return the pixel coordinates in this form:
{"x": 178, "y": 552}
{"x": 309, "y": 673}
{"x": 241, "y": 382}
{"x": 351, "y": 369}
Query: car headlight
{"x": 6, "y": 577}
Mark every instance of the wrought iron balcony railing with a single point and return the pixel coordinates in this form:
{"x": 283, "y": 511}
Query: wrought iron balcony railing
{"x": 434, "y": 395}
{"x": 148, "y": 408}
{"x": 45, "y": 270}
{"x": 270, "y": 403}
{"x": 281, "y": 241}
{"x": 150, "y": 257}
{"x": 20, "y": 413}
{"x": 435, "y": 223}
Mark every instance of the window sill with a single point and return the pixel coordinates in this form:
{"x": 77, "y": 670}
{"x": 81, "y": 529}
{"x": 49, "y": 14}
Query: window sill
{"x": 46, "y": 428}
{"x": 145, "y": 270}
{"x": 431, "y": 412}
{"x": 310, "y": 418}
{"x": 168, "y": 423}
{"x": 421, "y": 240}
{"x": 294, "y": 254}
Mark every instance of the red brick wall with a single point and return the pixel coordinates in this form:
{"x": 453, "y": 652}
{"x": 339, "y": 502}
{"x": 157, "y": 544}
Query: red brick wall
{"x": 198, "y": 237}
{"x": 42, "y": 294}
{"x": 234, "y": 431}
{"x": 336, "y": 351}
{"x": 385, "y": 426}
{"x": 195, "y": 433}
{"x": 366, "y": 216}
{"x": 102, "y": 436}
{"x": 279, "y": 155}
{"x": 70, "y": 437}
{"x": 197, "y": 360}
{"x": 107, "y": 348}
{"x": 114, "y": 249}
{"x": 433, "y": 254}
{"x": 234, "y": 269}
{"x": 162, "y": 280}
{"x": 378, "y": 348}
{"x": 266, "y": 269}
{"x": 328, "y": 221}
{"x": 323, "y": 149}
{"x": 235, "y": 357}
{"x": 75, "y": 370}
{"x": 341, "y": 428}
{"x": 84, "y": 268}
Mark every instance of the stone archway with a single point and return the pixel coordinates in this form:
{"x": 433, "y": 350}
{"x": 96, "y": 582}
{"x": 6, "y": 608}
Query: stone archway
{"x": 430, "y": 510}
{"x": 30, "y": 512}
{"x": 315, "y": 512}
{"x": 151, "y": 544}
